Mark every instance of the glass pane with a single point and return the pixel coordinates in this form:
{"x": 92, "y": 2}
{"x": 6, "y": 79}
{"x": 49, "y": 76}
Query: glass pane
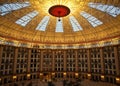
{"x": 75, "y": 25}
{"x": 59, "y": 25}
{"x": 110, "y": 9}
{"x": 43, "y": 24}
{"x": 7, "y": 8}
{"x": 27, "y": 18}
{"x": 91, "y": 19}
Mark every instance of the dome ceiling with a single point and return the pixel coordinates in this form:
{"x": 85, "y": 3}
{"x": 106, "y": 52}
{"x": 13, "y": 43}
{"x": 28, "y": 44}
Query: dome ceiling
{"x": 88, "y": 21}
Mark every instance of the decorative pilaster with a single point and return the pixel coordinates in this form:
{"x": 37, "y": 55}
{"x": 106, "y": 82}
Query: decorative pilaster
{"x": 76, "y": 61}
{"x": 29, "y": 60}
{"x": 65, "y": 62}
{"x": 89, "y": 60}
{"x": 41, "y": 61}
{"x": 117, "y": 63}
{"x": 1, "y": 51}
{"x": 53, "y": 60}
{"x": 15, "y": 60}
{"x": 102, "y": 61}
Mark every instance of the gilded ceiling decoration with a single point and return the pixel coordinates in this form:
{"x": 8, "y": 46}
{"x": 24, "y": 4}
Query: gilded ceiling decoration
{"x": 87, "y": 21}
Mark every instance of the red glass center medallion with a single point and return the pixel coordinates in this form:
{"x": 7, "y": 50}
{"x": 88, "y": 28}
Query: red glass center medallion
{"x": 59, "y": 11}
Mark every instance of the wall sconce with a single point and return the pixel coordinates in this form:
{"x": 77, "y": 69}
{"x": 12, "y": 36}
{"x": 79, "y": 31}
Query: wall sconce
{"x": 28, "y": 75}
{"x": 64, "y": 73}
{"x": 14, "y": 77}
{"x": 0, "y": 79}
{"x": 102, "y": 76}
{"x": 89, "y": 75}
{"x": 41, "y": 74}
{"x": 53, "y": 74}
{"x": 76, "y": 74}
{"x": 117, "y": 79}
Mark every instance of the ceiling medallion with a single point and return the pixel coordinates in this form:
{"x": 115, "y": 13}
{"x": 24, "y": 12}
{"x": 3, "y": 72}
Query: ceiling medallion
{"x": 59, "y": 11}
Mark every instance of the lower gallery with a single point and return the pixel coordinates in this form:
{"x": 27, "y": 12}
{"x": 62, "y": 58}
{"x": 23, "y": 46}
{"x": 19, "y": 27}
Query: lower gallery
{"x": 21, "y": 66}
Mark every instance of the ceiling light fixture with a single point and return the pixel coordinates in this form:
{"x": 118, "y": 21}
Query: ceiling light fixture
{"x": 59, "y": 11}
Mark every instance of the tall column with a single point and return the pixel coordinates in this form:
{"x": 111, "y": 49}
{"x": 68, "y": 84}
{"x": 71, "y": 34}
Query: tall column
{"x": 41, "y": 61}
{"x": 76, "y": 61}
{"x": 15, "y": 60}
{"x": 29, "y": 60}
{"x": 53, "y": 60}
{"x": 89, "y": 61}
{"x": 117, "y": 61}
{"x": 1, "y": 51}
{"x": 102, "y": 61}
{"x": 65, "y": 60}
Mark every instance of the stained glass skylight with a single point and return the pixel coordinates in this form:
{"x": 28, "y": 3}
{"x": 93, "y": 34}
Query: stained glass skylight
{"x": 59, "y": 25}
{"x": 75, "y": 25}
{"x": 91, "y": 19}
{"x": 27, "y": 18}
{"x": 7, "y": 8}
{"x": 110, "y": 9}
{"x": 43, "y": 24}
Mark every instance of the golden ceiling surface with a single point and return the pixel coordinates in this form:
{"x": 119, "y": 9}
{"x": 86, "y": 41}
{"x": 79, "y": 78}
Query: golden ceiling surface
{"x": 110, "y": 27}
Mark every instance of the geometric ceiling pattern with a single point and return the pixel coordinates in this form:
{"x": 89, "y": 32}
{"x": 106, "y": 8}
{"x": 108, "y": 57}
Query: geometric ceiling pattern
{"x": 91, "y": 19}
{"x": 88, "y": 21}
{"x": 27, "y": 18}
{"x": 43, "y": 24}
{"x": 9, "y": 7}
{"x": 110, "y": 9}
